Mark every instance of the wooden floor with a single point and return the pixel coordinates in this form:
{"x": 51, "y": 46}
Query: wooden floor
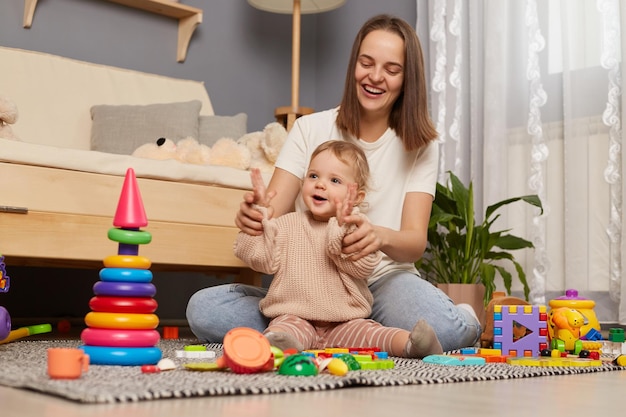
{"x": 594, "y": 394}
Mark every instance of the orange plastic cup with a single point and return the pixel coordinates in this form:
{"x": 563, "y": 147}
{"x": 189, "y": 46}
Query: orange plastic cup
{"x": 246, "y": 351}
{"x": 67, "y": 363}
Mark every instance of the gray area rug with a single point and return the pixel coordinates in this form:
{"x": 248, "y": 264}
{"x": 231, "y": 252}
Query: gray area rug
{"x": 23, "y": 365}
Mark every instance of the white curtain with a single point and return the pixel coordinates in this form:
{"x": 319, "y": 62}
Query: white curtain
{"x": 527, "y": 99}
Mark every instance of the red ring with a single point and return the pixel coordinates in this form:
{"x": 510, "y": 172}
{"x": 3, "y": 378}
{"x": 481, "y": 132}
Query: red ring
{"x": 138, "y": 305}
{"x": 119, "y": 337}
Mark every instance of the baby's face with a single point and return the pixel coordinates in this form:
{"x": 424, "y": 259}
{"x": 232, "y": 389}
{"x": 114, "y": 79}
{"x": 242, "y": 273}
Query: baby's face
{"x": 326, "y": 183}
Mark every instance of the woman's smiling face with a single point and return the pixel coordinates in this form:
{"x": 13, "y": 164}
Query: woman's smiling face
{"x": 379, "y": 71}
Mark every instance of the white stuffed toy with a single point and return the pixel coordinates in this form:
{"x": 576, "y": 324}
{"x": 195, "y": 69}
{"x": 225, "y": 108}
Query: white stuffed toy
{"x": 252, "y": 150}
{"x": 265, "y": 146}
{"x": 8, "y": 116}
{"x": 273, "y": 141}
{"x": 186, "y": 150}
{"x": 161, "y": 149}
{"x": 252, "y": 141}
{"x": 191, "y": 151}
{"x": 227, "y": 152}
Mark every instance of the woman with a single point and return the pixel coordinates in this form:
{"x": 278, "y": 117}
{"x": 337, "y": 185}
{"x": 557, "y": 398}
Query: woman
{"x": 384, "y": 111}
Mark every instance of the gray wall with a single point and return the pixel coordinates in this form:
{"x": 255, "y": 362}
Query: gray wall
{"x": 242, "y": 54}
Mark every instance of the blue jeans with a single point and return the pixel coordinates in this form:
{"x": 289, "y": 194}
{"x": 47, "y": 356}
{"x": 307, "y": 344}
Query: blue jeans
{"x": 400, "y": 300}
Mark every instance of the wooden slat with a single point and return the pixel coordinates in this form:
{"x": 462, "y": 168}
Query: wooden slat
{"x": 72, "y": 192}
{"x": 66, "y": 238}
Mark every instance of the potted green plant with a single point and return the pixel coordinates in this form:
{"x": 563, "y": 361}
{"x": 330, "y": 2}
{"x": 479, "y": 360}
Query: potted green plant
{"x": 462, "y": 251}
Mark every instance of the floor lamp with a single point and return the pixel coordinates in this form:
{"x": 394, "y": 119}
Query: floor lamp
{"x": 288, "y": 114}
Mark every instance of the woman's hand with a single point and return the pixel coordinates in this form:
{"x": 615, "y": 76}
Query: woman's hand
{"x": 248, "y": 218}
{"x": 363, "y": 241}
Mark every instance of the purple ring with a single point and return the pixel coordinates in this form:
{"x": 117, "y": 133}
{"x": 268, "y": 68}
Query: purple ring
{"x": 124, "y": 289}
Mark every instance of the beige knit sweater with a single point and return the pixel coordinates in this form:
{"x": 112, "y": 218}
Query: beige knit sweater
{"x": 312, "y": 278}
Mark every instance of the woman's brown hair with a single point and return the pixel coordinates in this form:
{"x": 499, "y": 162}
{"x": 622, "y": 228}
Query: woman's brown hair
{"x": 409, "y": 116}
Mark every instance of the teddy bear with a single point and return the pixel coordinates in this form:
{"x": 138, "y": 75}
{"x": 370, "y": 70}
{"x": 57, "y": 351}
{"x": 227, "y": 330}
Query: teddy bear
{"x": 8, "y": 116}
{"x": 265, "y": 145}
{"x": 193, "y": 152}
{"x": 225, "y": 152}
{"x": 253, "y": 150}
{"x": 161, "y": 149}
{"x": 228, "y": 152}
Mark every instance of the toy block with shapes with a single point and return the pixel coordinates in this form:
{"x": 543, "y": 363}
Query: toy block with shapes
{"x": 520, "y": 330}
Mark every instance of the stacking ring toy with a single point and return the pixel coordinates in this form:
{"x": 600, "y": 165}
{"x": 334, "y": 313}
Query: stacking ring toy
{"x": 130, "y": 356}
{"x": 124, "y": 289}
{"x": 120, "y": 338}
{"x": 130, "y": 237}
{"x": 121, "y": 321}
{"x": 124, "y": 249}
{"x": 137, "y": 305}
{"x": 126, "y": 274}
{"x": 127, "y": 261}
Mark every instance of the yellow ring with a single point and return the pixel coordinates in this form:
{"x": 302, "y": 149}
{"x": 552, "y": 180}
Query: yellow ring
{"x": 121, "y": 320}
{"x": 127, "y": 261}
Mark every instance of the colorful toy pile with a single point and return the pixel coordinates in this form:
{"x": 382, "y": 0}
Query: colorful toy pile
{"x": 247, "y": 351}
{"x": 567, "y": 334}
{"x": 122, "y": 324}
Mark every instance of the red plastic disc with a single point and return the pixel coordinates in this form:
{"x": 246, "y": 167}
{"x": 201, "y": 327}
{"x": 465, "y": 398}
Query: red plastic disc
{"x": 138, "y": 305}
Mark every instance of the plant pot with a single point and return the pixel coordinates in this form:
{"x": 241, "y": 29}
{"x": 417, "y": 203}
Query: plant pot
{"x": 472, "y": 294}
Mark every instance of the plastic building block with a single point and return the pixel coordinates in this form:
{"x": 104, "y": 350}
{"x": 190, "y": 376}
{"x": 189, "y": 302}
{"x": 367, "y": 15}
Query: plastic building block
{"x": 196, "y": 354}
{"x": 170, "y": 332}
{"x": 616, "y": 335}
{"x": 558, "y": 362}
{"x": 593, "y": 335}
{"x": 520, "y": 330}
{"x": 454, "y": 360}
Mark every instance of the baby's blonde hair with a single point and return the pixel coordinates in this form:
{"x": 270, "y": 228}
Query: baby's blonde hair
{"x": 351, "y": 155}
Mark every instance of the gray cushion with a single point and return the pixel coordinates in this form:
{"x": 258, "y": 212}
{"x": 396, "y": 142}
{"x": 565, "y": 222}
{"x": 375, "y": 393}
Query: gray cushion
{"x": 123, "y": 128}
{"x": 213, "y": 128}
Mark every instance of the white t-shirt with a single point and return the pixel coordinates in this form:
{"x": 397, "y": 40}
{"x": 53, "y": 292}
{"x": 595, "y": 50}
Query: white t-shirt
{"x": 394, "y": 172}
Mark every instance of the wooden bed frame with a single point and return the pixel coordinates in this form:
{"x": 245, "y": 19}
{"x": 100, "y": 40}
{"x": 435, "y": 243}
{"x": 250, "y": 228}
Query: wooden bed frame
{"x": 67, "y": 211}
{"x": 68, "y": 214}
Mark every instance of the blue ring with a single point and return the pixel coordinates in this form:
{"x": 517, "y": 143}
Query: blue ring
{"x": 130, "y": 356}
{"x": 125, "y": 275}
{"x": 124, "y": 289}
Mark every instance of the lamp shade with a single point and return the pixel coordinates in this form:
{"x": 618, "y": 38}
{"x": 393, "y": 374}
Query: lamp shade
{"x": 306, "y": 6}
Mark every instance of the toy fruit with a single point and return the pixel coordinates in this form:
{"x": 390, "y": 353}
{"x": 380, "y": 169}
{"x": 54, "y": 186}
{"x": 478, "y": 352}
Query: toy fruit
{"x": 337, "y": 367}
{"x": 247, "y": 351}
{"x": 298, "y": 365}
{"x": 350, "y": 360}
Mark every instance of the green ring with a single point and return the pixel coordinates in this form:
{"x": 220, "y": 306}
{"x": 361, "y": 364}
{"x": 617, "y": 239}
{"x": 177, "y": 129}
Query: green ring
{"x": 39, "y": 329}
{"x": 129, "y": 237}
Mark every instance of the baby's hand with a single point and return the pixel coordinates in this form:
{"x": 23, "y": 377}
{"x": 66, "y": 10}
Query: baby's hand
{"x": 260, "y": 195}
{"x": 345, "y": 207}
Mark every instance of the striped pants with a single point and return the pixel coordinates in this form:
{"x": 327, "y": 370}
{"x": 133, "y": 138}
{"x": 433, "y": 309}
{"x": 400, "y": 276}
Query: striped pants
{"x": 353, "y": 333}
